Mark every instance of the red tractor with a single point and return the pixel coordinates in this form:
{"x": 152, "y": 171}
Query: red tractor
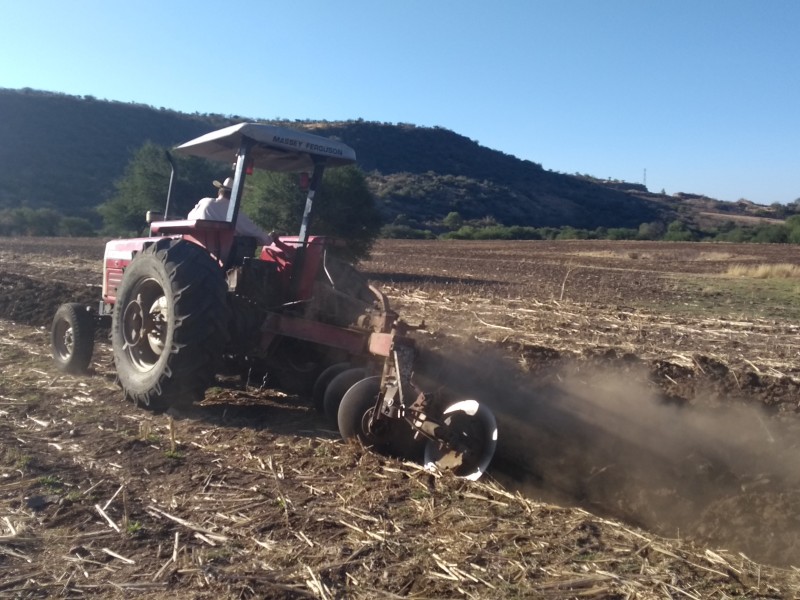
{"x": 193, "y": 298}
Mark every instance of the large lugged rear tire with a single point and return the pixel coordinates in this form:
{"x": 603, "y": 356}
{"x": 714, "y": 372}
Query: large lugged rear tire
{"x": 169, "y": 324}
{"x": 72, "y": 338}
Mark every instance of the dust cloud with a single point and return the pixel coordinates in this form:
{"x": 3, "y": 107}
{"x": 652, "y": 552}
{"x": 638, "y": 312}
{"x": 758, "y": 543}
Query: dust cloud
{"x": 600, "y": 435}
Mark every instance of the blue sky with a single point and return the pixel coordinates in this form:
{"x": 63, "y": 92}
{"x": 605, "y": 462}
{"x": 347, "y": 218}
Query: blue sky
{"x": 702, "y": 94}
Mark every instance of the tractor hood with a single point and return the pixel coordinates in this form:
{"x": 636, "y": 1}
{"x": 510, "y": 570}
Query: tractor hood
{"x": 274, "y": 148}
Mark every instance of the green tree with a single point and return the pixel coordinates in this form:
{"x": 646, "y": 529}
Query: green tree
{"x": 275, "y": 201}
{"x": 27, "y": 221}
{"x": 726, "y": 226}
{"x": 651, "y": 231}
{"x": 793, "y": 229}
{"x": 75, "y": 227}
{"x": 622, "y": 233}
{"x": 453, "y": 221}
{"x": 678, "y": 232}
{"x": 404, "y": 232}
{"x": 736, "y": 235}
{"x": 402, "y": 220}
{"x": 519, "y": 232}
{"x": 771, "y": 234}
{"x": 144, "y": 187}
{"x": 466, "y": 232}
{"x": 344, "y": 207}
{"x": 571, "y": 233}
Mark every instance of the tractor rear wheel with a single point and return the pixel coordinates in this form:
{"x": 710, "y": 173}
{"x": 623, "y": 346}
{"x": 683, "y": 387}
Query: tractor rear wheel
{"x": 169, "y": 324}
{"x": 72, "y": 338}
{"x": 472, "y": 432}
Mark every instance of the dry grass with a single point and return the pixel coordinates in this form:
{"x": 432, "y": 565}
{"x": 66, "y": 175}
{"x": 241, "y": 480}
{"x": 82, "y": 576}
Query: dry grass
{"x": 714, "y": 256}
{"x": 612, "y": 254}
{"x": 765, "y": 271}
{"x": 741, "y": 219}
{"x": 697, "y": 255}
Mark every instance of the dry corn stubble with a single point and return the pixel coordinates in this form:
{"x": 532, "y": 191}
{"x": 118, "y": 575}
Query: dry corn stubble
{"x": 265, "y": 501}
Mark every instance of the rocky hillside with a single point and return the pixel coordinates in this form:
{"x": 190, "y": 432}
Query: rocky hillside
{"x": 65, "y": 152}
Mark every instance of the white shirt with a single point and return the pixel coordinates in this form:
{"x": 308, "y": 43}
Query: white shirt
{"x": 216, "y": 209}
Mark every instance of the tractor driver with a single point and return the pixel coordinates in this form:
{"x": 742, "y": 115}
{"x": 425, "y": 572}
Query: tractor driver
{"x": 216, "y": 209}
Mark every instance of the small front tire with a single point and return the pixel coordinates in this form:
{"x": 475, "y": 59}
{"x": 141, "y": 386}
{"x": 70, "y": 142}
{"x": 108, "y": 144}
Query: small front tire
{"x": 72, "y": 338}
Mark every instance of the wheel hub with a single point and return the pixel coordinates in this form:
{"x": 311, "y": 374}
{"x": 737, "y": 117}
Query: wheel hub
{"x": 367, "y": 423}
{"x": 69, "y": 341}
{"x": 133, "y": 322}
{"x": 65, "y": 340}
{"x": 157, "y": 322}
{"x": 144, "y": 325}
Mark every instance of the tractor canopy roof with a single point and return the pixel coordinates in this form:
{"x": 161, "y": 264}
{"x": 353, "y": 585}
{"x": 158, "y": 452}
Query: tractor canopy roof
{"x": 273, "y": 148}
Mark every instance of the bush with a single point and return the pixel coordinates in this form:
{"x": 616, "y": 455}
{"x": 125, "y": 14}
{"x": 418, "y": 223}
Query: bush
{"x": 771, "y": 234}
{"x": 737, "y": 235}
{"x": 622, "y": 233}
{"x": 467, "y": 232}
{"x": 650, "y": 231}
{"x": 75, "y": 227}
{"x": 405, "y": 232}
{"x": 525, "y": 233}
{"x": 40, "y": 222}
{"x": 570, "y": 233}
{"x": 678, "y": 232}
{"x": 453, "y": 220}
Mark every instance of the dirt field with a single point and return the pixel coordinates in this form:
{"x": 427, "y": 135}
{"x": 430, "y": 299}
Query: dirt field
{"x": 649, "y": 441}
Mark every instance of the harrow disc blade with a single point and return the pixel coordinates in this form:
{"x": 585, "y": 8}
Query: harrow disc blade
{"x": 474, "y": 428}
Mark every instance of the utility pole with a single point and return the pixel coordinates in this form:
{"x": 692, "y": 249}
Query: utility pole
{"x": 645, "y": 178}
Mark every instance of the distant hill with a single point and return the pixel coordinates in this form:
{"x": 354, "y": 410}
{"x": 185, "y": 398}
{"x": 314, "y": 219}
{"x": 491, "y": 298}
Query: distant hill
{"x": 65, "y": 152}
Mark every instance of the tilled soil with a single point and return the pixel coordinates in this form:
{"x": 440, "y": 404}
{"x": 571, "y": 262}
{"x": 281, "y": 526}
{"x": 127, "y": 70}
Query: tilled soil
{"x": 618, "y": 424}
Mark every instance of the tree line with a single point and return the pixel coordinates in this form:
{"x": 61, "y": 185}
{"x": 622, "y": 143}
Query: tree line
{"x": 124, "y": 216}
{"x": 454, "y": 227}
{"x": 353, "y": 208}
{"x": 345, "y": 207}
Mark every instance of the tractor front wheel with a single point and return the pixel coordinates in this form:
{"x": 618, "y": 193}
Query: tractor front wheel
{"x": 72, "y": 338}
{"x": 169, "y": 324}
